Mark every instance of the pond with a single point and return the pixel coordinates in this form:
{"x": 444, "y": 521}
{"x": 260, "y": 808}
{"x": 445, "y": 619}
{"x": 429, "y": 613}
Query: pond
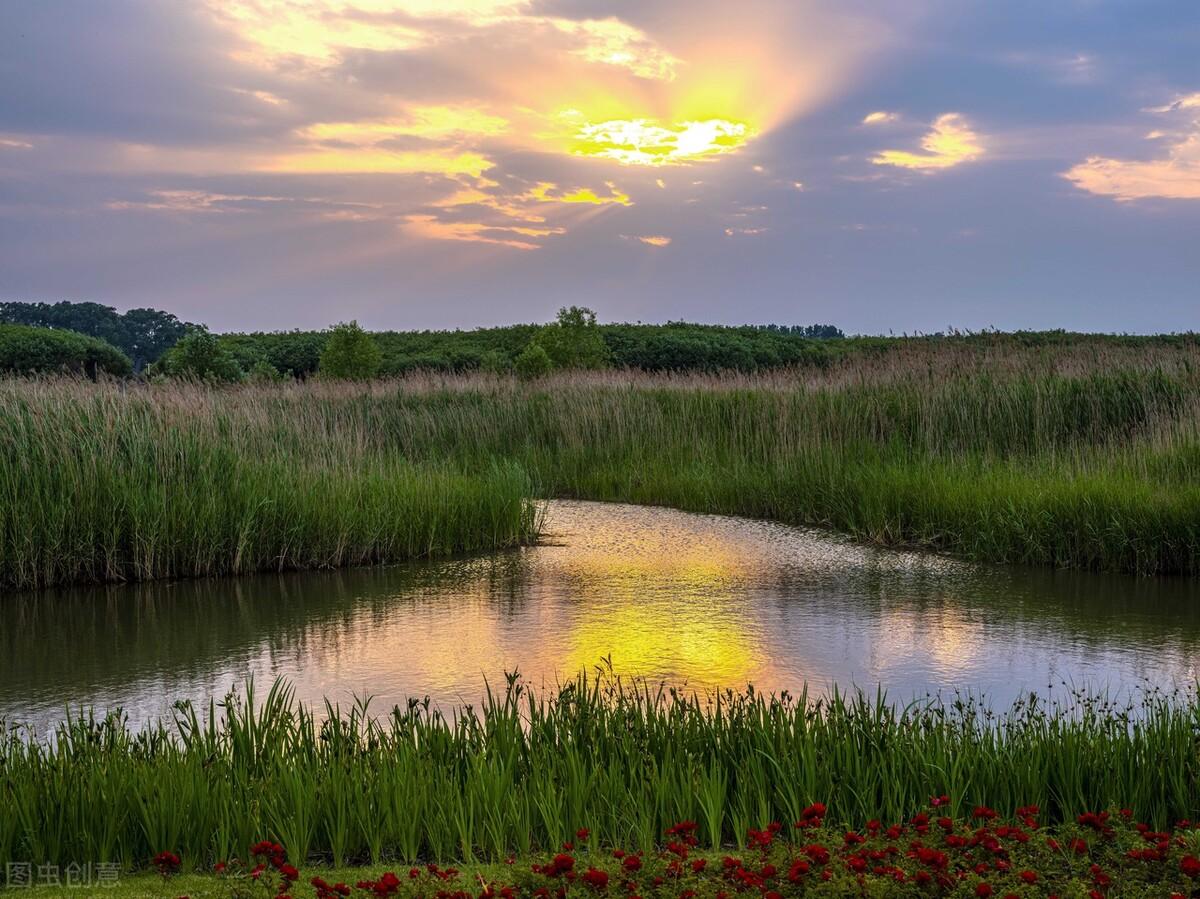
{"x": 697, "y": 601}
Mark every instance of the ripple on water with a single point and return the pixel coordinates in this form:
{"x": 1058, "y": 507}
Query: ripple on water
{"x": 698, "y": 600}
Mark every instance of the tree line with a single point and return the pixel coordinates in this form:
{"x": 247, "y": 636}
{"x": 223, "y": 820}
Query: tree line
{"x": 54, "y": 337}
{"x": 160, "y": 345}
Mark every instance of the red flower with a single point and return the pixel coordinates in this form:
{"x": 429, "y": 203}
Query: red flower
{"x": 1190, "y": 865}
{"x": 582, "y": 833}
{"x": 597, "y": 880}
{"x": 983, "y": 890}
{"x": 1028, "y": 876}
{"x": 167, "y": 863}
{"x": 632, "y": 863}
{"x": 560, "y": 864}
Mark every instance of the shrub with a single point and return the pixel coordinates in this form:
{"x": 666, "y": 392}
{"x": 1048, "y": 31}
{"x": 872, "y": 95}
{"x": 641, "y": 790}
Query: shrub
{"x": 28, "y": 350}
{"x": 495, "y": 361}
{"x": 574, "y": 340}
{"x": 200, "y": 355}
{"x": 263, "y": 372}
{"x": 350, "y": 353}
{"x": 534, "y": 362}
{"x": 142, "y": 334}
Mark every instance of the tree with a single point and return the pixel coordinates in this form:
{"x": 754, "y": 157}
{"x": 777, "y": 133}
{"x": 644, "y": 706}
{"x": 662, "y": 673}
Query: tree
{"x": 142, "y": 334}
{"x": 495, "y": 361}
{"x": 574, "y": 340}
{"x": 200, "y": 355}
{"x": 533, "y": 362}
{"x": 350, "y": 353}
{"x": 25, "y": 349}
{"x": 148, "y": 333}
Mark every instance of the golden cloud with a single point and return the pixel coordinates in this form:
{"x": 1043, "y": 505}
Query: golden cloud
{"x": 950, "y": 142}
{"x": 515, "y": 236}
{"x": 546, "y": 192}
{"x": 879, "y": 118}
{"x": 1174, "y": 177}
{"x": 645, "y": 142}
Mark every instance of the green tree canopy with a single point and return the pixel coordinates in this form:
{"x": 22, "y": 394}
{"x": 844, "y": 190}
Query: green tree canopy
{"x": 26, "y": 350}
{"x": 142, "y": 334}
{"x": 533, "y": 362}
{"x": 200, "y": 355}
{"x": 350, "y": 353}
{"x": 574, "y": 340}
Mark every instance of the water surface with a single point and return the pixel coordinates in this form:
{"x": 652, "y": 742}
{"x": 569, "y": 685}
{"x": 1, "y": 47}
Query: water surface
{"x": 695, "y": 600}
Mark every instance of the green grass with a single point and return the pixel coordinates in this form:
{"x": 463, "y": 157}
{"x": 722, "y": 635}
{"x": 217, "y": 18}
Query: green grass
{"x": 519, "y": 774}
{"x": 112, "y": 482}
{"x": 1070, "y": 455}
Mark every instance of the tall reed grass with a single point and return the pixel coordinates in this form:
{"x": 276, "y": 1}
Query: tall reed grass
{"x": 1084, "y": 455}
{"x": 110, "y": 482}
{"x": 521, "y": 773}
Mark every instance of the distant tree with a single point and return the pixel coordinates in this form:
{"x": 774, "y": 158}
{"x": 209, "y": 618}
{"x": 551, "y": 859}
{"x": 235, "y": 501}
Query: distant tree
{"x": 350, "y": 353}
{"x": 263, "y": 372}
{"x": 533, "y": 362}
{"x": 574, "y": 340}
{"x": 495, "y": 361}
{"x": 202, "y": 356}
{"x": 812, "y": 332}
{"x": 142, "y": 334}
{"x": 25, "y": 349}
{"x": 148, "y": 333}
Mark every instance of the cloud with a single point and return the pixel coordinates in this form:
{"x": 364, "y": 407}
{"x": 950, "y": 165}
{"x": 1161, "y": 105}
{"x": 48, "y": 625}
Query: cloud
{"x": 950, "y": 142}
{"x": 880, "y": 118}
{"x": 646, "y": 142}
{"x": 321, "y": 33}
{"x": 1175, "y": 176}
{"x": 503, "y": 122}
{"x": 515, "y": 236}
{"x": 651, "y": 240}
{"x": 1185, "y": 102}
{"x": 546, "y": 192}
{"x": 190, "y": 200}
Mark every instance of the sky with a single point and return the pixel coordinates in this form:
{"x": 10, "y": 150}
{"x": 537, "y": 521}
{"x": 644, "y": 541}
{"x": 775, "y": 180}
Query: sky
{"x": 886, "y": 166}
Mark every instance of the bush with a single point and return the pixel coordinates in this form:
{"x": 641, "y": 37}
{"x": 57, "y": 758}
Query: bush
{"x": 534, "y": 362}
{"x": 350, "y": 353}
{"x": 28, "y": 350}
{"x": 142, "y": 334}
{"x": 263, "y": 372}
{"x": 574, "y": 340}
{"x": 496, "y": 362}
{"x": 200, "y": 355}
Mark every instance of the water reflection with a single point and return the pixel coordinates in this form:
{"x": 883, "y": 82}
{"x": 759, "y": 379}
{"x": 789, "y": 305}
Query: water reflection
{"x": 699, "y": 600}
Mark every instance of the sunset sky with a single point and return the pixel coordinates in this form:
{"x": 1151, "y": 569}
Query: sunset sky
{"x": 896, "y": 165}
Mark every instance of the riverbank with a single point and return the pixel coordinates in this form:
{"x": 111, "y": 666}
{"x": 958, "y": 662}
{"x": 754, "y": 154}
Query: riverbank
{"x": 113, "y": 482}
{"x": 1083, "y": 457}
{"x": 518, "y": 774}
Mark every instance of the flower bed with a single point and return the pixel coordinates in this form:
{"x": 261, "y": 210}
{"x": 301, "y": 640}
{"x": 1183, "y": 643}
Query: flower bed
{"x": 1101, "y": 854}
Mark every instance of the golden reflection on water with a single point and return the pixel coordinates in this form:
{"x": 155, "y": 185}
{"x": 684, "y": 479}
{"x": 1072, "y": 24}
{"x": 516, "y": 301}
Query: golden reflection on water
{"x": 699, "y": 601}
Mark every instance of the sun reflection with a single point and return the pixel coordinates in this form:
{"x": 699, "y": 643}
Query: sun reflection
{"x": 706, "y": 650}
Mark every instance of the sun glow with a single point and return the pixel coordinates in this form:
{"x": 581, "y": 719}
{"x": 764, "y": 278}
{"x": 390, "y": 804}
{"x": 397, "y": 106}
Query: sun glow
{"x": 647, "y": 142}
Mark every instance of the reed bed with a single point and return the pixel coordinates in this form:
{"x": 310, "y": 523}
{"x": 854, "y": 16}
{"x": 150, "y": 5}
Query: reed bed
{"x": 524, "y": 774}
{"x": 1084, "y": 455}
{"x": 113, "y": 482}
